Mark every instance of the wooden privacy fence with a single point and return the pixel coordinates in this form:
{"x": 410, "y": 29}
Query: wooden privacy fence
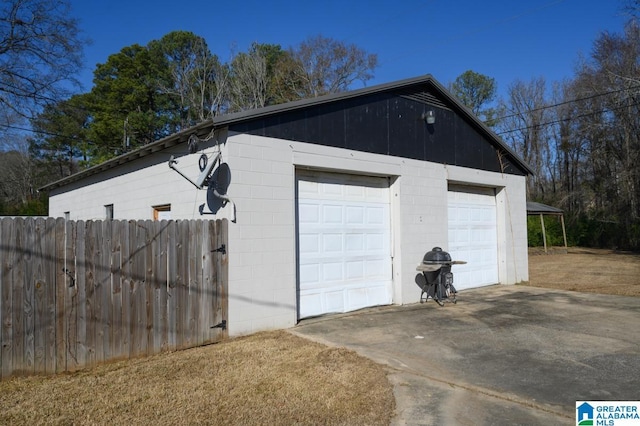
{"x": 73, "y": 294}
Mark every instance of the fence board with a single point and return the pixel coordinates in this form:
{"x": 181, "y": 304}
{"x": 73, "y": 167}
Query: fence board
{"x": 172, "y": 299}
{"x": 71, "y": 301}
{"x": 216, "y": 308}
{"x": 60, "y": 287}
{"x": 222, "y": 278}
{"x": 7, "y": 233}
{"x": 149, "y": 242}
{"x": 201, "y": 289}
{"x": 125, "y": 247}
{"x": 18, "y": 277}
{"x": 93, "y": 308}
{"x": 50, "y": 295}
{"x": 162, "y": 289}
{"x": 159, "y": 293}
{"x": 115, "y": 293}
{"x": 104, "y": 295}
{"x": 96, "y": 297}
{"x": 83, "y": 312}
{"x": 29, "y": 297}
{"x": 39, "y": 284}
{"x": 73, "y": 294}
{"x": 208, "y": 290}
{"x": 192, "y": 262}
{"x": 179, "y": 282}
{"x": 139, "y": 340}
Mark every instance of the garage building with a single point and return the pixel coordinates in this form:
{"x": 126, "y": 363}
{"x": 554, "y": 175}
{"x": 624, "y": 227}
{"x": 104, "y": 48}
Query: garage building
{"x": 333, "y": 200}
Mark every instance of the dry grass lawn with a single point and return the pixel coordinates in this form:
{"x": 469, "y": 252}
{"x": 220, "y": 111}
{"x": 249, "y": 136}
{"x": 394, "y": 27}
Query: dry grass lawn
{"x": 270, "y": 378}
{"x": 586, "y": 270}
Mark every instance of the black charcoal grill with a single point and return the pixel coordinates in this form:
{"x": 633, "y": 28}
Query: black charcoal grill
{"x": 436, "y": 268}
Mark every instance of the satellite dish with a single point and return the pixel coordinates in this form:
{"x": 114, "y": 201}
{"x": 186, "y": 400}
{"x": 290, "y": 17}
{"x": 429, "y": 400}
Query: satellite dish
{"x": 218, "y": 187}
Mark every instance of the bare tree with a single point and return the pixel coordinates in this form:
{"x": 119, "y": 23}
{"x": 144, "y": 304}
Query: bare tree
{"x": 40, "y": 52}
{"x": 325, "y": 65}
{"x": 248, "y": 82}
{"x": 209, "y": 92}
{"x": 18, "y": 173}
{"x": 570, "y": 150}
{"x": 193, "y": 76}
{"x": 525, "y": 128}
{"x": 613, "y": 113}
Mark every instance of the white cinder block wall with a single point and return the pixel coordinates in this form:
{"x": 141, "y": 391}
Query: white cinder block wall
{"x": 262, "y": 257}
{"x": 262, "y": 271}
{"x": 135, "y": 188}
{"x": 419, "y": 221}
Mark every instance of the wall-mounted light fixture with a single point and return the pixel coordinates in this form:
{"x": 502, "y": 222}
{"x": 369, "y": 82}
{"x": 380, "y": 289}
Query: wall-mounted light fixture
{"x": 429, "y": 117}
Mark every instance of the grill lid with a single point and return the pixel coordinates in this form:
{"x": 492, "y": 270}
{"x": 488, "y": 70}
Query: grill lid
{"x": 436, "y": 255}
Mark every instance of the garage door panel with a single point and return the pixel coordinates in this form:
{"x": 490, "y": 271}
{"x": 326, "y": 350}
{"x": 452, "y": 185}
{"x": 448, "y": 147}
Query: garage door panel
{"x": 376, "y": 269}
{"x": 357, "y": 298}
{"x": 307, "y": 187}
{"x": 333, "y": 302}
{"x": 354, "y": 243}
{"x": 355, "y": 215}
{"x": 309, "y": 213}
{"x": 355, "y": 270}
{"x": 331, "y": 214}
{"x": 374, "y": 242}
{"x": 332, "y": 243}
{"x": 473, "y": 237}
{"x": 312, "y": 303}
{"x": 309, "y": 274}
{"x": 309, "y": 243}
{"x": 332, "y": 271}
{"x": 344, "y": 246}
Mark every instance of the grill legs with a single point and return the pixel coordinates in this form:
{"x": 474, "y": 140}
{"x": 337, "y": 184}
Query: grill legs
{"x": 439, "y": 287}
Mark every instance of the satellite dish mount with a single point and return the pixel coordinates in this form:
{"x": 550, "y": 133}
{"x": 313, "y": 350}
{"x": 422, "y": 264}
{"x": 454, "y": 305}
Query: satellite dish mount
{"x": 206, "y": 169}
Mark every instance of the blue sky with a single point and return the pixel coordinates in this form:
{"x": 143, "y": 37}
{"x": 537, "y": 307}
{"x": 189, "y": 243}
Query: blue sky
{"x": 504, "y": 39}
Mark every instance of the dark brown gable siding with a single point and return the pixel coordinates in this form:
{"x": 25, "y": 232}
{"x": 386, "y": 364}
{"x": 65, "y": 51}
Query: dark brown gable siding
{"x": 390, "y": 124}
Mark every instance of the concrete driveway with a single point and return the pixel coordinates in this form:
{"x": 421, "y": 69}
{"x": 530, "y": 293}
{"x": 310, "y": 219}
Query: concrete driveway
{"x": 501, "y": 355}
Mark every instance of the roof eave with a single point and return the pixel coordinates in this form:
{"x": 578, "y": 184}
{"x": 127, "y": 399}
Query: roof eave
{"x": 159, "y": 145}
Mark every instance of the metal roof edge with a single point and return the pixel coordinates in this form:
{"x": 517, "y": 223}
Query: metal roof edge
{"x": 150, "y": 148}
{"x": 537, "y": 208}
{"x": 224, "y": 120}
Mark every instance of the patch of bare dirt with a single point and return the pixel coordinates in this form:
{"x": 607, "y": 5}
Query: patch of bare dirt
{"x": 586, "y": 270}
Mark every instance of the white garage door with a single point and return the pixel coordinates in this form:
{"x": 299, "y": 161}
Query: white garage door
{"x": 473, "y": 236}
{"x": 344, "y": 243}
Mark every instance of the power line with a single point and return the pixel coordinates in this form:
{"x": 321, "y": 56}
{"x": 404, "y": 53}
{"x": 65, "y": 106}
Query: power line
{"x": 596, "y": 95}
{"x": 573, "y": 117}
{"x": 8, "y": 126}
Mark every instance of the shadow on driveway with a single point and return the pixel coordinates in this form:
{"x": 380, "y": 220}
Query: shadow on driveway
{"x": 501, "y": 355}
